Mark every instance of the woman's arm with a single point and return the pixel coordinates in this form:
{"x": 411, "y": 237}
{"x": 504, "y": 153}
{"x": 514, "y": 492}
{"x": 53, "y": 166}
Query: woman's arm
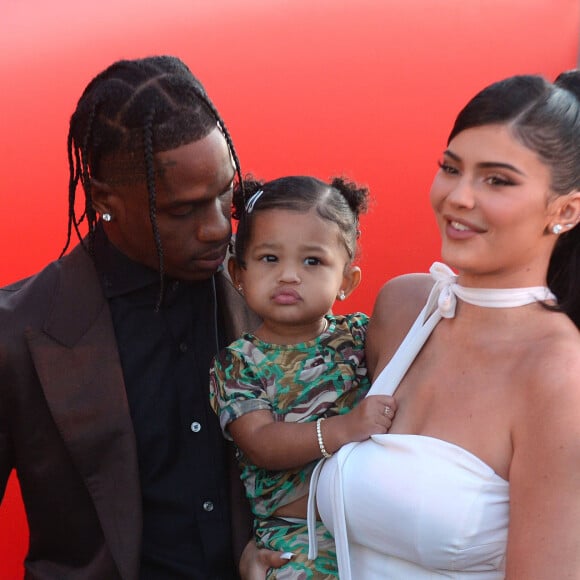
{"x": 544, "y": 530}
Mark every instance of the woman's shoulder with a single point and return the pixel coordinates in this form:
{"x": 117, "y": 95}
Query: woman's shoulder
{"x": 549, "y": 376}
{"x": 407, "y": 294}
{"x": 398, "y": 304}
{"x": 555, "y": 354}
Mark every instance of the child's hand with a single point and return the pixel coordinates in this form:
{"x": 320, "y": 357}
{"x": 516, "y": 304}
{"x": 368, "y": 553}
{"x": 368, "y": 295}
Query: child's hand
{"x": 372, "y": 415}
{"x": 255, "y": 562}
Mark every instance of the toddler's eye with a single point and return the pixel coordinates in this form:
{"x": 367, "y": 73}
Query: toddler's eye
{"x": 312, "y": 261}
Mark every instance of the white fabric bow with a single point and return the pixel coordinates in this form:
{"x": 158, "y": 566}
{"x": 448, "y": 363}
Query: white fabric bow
{"x": 445, "y": 292}
{"x": 442, "y": 295}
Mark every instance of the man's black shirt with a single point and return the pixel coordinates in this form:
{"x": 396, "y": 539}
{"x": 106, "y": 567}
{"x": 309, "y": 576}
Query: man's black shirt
{"x": 166, "y": 356}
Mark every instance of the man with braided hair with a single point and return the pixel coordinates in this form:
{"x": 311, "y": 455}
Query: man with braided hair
{"x": 105, "y": 354}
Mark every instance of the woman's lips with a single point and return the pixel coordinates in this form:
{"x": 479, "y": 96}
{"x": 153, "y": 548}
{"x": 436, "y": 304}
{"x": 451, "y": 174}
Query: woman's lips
{"x": 461, "y": 230}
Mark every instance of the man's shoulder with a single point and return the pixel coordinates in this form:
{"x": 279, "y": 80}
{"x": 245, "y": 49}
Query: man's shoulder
{"x": 32, "y": 296}
{"x": 21, "y": 289}
{"x": 46, "y": 275}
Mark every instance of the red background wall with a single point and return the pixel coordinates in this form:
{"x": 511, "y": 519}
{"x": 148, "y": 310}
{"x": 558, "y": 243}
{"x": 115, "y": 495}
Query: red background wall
{"x": 366, "y": 88}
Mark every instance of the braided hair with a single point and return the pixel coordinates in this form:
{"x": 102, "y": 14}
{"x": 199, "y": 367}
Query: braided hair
{"x": 137, "y": 107}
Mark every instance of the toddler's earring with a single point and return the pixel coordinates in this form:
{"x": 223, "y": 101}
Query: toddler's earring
{"x": 240, "y": 289}
{"x": 341, "y": 295}
{"x": 107, "y": 217}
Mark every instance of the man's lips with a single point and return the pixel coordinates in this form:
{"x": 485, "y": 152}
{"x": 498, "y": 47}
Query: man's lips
{"x": 213, "y": 259}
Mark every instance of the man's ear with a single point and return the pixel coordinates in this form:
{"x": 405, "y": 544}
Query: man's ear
{"x": 350, "y": 280}
{"x": 101, "y": 196}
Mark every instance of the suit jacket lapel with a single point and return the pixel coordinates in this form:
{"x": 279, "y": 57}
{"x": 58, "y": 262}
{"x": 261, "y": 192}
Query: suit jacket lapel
{"x": 78, "y": 365}
{"x": 238, "y": 318}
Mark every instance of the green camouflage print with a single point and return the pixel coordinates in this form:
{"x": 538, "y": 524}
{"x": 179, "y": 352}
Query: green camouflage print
{"x": 297, "y": 383}
{"x": 285, "y": 536}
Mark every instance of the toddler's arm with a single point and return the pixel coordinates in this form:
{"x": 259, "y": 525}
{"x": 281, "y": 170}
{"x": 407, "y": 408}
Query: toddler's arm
{"x": 278, "y": 445}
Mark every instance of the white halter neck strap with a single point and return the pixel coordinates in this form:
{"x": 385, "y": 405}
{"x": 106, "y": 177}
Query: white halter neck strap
{"x": 446, "y": 291}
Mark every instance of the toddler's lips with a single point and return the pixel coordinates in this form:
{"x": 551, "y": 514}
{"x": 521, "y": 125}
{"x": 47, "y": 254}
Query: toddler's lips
{"x": 286, "y": 296}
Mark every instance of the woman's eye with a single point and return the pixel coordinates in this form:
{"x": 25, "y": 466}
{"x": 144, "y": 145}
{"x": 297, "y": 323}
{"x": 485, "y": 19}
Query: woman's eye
{"x": 500, "y": 181}
{"x": 446, "y": 168}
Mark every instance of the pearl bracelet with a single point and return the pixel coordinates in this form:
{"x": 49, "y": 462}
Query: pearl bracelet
{"x": 323, "y": 450}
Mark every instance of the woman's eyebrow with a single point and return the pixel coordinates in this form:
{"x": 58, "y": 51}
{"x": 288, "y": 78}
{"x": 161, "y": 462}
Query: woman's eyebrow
{"x": 487, "y": 164}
